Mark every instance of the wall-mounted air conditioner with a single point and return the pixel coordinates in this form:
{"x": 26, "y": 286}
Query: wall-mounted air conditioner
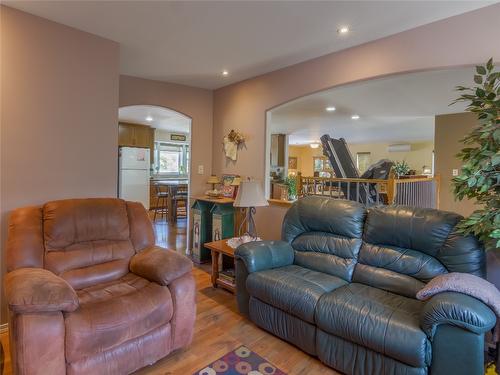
{"x": 399, "y": 148}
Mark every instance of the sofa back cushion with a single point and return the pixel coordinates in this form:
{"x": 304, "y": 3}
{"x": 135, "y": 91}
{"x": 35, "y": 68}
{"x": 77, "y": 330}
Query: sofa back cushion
{"x": 404, "y": 247}
{"x": 87, "y": 241}
{"x": 325, "y": 234}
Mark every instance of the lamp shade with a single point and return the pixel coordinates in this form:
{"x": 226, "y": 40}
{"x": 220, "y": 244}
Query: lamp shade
{"x": 250, "y": 195}
{"x": 213, "y": 179}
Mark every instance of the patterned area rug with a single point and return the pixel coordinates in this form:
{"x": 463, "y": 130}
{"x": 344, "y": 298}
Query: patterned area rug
{"x": 240, "y": 361}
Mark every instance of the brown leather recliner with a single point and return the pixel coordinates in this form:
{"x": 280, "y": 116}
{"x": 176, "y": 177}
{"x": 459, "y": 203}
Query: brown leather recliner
{"x": 89, "y": 293}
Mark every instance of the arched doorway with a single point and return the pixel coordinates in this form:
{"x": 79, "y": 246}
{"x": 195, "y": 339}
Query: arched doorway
{"x": 155, "y": 168}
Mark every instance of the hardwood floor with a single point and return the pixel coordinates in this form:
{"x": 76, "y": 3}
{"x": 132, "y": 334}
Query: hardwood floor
{"x": 172, "y": 236}
{"x": 219, "y": 327}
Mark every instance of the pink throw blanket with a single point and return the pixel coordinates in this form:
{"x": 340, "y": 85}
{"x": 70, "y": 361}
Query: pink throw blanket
{"x": 465, "y": 283}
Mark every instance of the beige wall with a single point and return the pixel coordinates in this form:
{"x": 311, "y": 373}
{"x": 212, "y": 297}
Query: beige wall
{"x": 449, "y": 130}
{"x": 420, "y": 155}
{"x": 193, "y": 102}
{"x": 59, "y": 99}
{"x": 242, "y": 106}
{"x": 304, "y": 155}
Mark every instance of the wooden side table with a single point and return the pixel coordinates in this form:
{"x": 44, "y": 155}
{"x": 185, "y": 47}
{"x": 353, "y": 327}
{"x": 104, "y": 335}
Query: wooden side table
{"x": 217, "y": 248}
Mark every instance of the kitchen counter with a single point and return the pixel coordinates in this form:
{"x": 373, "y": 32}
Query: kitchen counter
{"x": 166, "y": 178}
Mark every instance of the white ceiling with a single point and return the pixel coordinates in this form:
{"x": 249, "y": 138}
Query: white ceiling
{"x": 191, "y": 42}
{"x": 162, "y": 118}
{"x": 395, "y": 109}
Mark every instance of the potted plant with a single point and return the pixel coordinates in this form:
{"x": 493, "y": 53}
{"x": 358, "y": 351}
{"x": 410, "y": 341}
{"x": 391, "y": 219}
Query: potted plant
{"x": 479, "y": 178}
{"x": 401, "y": 168}
{"x": 291, "y": 183}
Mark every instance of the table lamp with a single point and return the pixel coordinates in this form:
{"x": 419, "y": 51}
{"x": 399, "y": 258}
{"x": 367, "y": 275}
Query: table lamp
{"x": 249, "y": 196}
{"x": 213, "y": 179}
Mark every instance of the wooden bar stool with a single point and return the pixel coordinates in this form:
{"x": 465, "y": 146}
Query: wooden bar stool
{"x": 180, "y": 196}
{"x": 161, "y": 201}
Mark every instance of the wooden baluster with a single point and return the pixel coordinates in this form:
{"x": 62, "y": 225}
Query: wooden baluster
{"x": 391, "y": 190}
{"x": 299, "y": 184}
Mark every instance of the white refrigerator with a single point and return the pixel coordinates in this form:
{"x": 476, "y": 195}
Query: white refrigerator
{"x": 133, "y": 175}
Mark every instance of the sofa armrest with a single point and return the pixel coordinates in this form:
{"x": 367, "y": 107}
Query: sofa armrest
{"x": 160, "y": 265}
{"x": 32, "y": 290}
{"x": 456, "y": 309}
{"x": 262, "y": 255}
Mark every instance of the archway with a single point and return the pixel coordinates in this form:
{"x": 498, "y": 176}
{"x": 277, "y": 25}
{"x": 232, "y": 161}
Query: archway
{"x": 155, "y": 168}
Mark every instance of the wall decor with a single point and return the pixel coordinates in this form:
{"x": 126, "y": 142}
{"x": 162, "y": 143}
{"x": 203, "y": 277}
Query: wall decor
{"x": 232, "y": 143}
{"x": 227, "y": 186}
{"x": 292, "y": 162}
{"x": 178, "y": 137}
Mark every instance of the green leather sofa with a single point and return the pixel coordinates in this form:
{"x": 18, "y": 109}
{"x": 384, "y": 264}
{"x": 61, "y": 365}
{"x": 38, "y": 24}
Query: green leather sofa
{"x": 341, "y": 285}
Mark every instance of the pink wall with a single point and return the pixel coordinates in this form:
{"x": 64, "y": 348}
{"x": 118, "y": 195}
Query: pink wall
{"x": 59, "y": 109}
{"x": 461, "y": 40}
{"x": 193, "y": 102}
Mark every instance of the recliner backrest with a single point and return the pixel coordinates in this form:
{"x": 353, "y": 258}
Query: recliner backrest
{"x": 325, "y": 234}
{"x": 85, "y": 241}
{"x": 404, "y": 247}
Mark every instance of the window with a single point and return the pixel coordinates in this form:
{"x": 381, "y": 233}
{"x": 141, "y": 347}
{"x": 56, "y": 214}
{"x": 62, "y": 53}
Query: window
{"x": 171, "y": 159}
{"x": 322, "y": 167}
{"x": 363, "y": 161}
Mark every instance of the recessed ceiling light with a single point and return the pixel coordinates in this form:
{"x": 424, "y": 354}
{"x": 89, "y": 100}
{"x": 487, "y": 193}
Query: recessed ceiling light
{"x": 225, "y": 73}
{"x": 330, "y": 109}
{"x": 149, "y": 118}
{"x": 355, "y": 117}
{"x": 343, "y": 30}
{"x": 314, "y": 145}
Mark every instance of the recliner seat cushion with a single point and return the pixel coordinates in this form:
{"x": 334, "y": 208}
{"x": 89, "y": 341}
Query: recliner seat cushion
{"x": 293, "y": 289}
{"x": 381, "y": 321}
{"x": 114, "y": 312}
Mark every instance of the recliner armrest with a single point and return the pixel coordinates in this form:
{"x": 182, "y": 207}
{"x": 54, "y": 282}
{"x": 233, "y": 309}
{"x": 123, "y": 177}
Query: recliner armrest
{"x": 262, "y": 255}
{"x": 32, "y": 290}
{"x": 160, "y": 265}
{"x": 456, "y": 309}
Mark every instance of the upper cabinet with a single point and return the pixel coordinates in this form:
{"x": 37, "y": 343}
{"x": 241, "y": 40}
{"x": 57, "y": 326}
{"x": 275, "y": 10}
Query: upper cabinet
{"x": 133, "y": 135}
{"x": 278, "y": 144}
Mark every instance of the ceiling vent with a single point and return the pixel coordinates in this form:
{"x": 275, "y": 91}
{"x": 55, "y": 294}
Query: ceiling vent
{"x": 399, "y": 148}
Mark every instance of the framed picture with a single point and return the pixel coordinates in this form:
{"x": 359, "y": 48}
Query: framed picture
{"x": 292, "y": 162}
{"x": 227, "y": 189}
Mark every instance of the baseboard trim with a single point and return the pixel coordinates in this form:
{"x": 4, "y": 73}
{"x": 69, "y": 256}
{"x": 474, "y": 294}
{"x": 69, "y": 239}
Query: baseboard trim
{"x": 4, "y": 327}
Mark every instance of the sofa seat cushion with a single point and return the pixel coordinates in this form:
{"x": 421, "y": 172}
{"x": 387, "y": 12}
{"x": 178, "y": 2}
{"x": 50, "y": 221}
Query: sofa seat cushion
{"x": 293, "y": 289}
{"x": 114, "y": 312}
{"x": 381, "y": 321}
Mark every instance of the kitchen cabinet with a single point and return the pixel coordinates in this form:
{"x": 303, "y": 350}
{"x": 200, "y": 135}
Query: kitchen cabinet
{"x": 278, "y": 144}
{"x": 133, "y": 135}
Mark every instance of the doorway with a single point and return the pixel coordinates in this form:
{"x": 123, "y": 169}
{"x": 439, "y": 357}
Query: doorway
{"x": 154, "y": 146}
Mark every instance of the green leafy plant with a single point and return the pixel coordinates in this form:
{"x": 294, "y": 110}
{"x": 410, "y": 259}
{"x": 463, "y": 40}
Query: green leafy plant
{"x": 401, "y": 168}
{"x": 479, "y": 177}
{"x": 291, "y": 183}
